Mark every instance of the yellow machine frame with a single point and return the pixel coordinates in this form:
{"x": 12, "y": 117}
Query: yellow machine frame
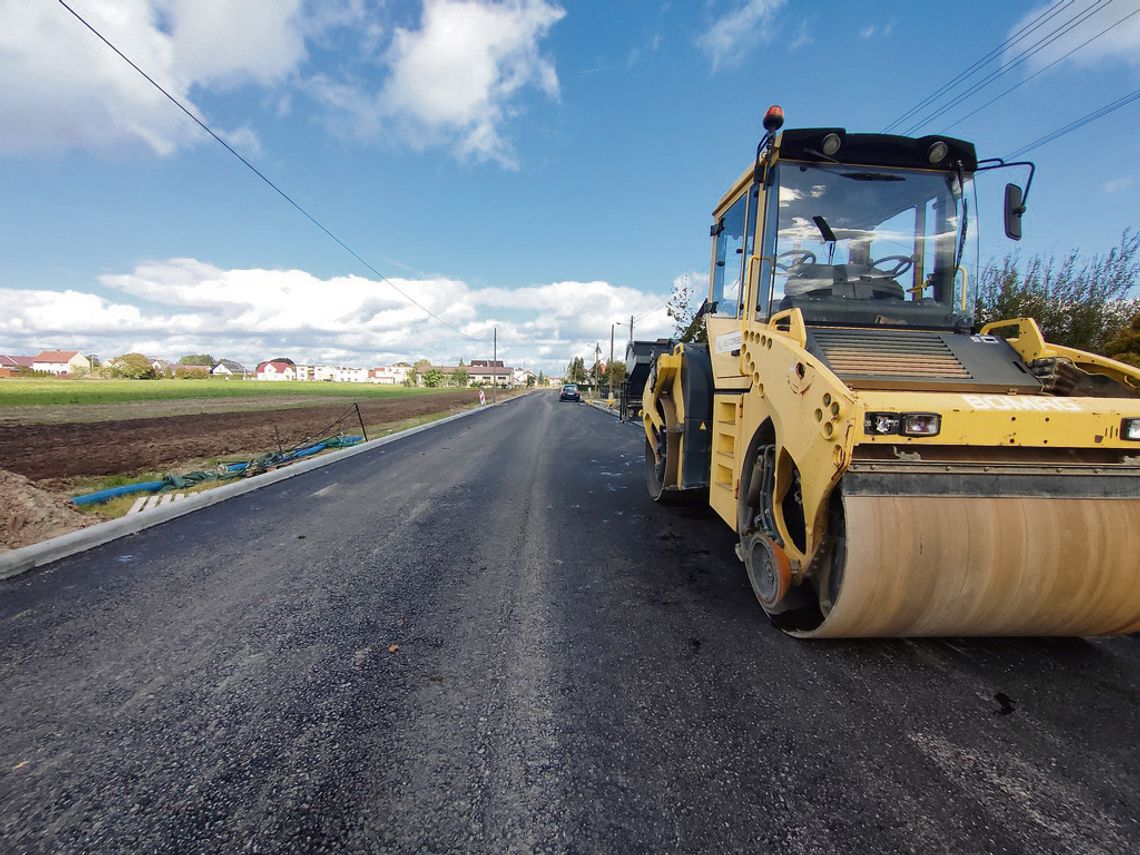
{"x": 768, "y": 384}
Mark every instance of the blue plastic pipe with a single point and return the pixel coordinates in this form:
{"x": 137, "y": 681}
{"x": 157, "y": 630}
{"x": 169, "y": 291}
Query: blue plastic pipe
{"x": 114, "y": 492}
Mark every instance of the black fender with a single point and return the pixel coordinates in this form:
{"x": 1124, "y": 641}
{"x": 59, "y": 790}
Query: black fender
{"x": 696, "y": 434}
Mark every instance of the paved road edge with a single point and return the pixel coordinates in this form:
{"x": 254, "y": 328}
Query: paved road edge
{"x": 27, "y": 558}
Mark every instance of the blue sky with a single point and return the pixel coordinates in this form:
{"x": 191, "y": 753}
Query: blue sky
{"x": 546, "y": 168}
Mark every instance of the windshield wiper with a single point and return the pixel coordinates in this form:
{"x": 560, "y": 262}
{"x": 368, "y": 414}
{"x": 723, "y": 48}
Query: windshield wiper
{"x": 965, "y": 222}
{"x": 824, "y": 228}
{"x": 828, "y": 236}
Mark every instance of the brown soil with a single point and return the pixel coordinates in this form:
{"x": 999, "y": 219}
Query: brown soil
{"x": 29, "y": 514}
{"x": 142, "y": 444}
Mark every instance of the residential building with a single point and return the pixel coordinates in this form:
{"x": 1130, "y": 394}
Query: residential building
{"x": 389, "y": 375}
{"x": 162, "y": 367}
{"x": 228, "y": 368}
{"x": 276, "y": 370}
{"x": 340, "y": 374}
{"x": 61, "y": 362}
{"x": 16, "y": 364}
{"x": 490, "y": 372}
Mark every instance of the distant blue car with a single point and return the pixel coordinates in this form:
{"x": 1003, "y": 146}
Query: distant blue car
{"x": 569, "y": 393}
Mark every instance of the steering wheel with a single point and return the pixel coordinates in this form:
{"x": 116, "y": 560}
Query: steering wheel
{"x": 903, "y": 263}
{"x": 806, "y": 256}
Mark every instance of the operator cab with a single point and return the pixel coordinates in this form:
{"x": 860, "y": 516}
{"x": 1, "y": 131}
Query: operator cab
{"x": 872, "y": 234}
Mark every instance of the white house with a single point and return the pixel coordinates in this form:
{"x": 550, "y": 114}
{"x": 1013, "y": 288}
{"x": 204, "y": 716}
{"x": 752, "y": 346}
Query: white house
{"x": 489, "y": 372}
{"x": 389, "y": 375}
{"x": 61, "y": 362}
{"x": 228, "y": 368}
{"x": 340, "y": 374}
{"x": 275, "y": 370}
{"x": 519, "y": 376}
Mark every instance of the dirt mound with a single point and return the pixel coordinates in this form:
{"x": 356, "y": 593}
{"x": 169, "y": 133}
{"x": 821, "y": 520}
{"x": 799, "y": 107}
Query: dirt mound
{"x": 29, "y": 514}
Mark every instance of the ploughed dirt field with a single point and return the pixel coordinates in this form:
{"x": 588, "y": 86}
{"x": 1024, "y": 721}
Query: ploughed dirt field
{"x": 125, "y": 445}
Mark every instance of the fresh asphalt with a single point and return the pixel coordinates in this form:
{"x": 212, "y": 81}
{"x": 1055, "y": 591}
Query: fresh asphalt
{"x": 486, "y": 638}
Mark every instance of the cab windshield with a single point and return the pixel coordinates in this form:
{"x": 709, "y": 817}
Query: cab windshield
{"x": 861, "y": 244}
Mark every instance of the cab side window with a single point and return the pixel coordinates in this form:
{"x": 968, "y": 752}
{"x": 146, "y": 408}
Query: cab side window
{"x": 729, "y": 261}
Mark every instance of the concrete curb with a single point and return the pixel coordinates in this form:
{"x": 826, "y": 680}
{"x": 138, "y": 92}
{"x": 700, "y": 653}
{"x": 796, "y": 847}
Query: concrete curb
{"x": 25, "y": 558}
{"x": 598, "y": 405}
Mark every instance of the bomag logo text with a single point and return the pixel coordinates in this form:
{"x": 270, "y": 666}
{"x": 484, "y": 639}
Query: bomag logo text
{"x": 1015, "y": 402}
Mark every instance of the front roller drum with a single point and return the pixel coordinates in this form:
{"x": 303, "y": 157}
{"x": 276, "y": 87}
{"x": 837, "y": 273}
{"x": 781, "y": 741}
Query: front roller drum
{"x": 917, "y": 565}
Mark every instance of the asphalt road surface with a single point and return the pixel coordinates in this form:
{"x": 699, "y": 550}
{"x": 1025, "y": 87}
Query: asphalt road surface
{"x": 577, "y": 669}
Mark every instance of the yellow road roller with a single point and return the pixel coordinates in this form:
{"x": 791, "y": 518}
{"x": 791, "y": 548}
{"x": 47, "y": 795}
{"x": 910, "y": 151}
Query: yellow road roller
{"x": 892, "y": 469}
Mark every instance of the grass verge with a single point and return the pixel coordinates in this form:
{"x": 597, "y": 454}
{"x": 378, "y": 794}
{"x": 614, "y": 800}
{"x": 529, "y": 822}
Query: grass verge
{"x": 20, "y": 392}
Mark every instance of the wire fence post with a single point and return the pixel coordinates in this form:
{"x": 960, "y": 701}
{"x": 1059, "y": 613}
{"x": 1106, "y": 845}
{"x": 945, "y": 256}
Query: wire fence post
{"x": 360, "y": 419}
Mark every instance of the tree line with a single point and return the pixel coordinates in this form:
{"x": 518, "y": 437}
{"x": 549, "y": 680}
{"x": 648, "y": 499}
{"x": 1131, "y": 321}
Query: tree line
{"x": 611, "y": 375}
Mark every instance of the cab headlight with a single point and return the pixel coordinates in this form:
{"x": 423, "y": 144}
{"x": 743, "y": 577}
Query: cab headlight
{"x": 1130, "y": 429}
{"x": 906, "y": 424}
{"x": 921, "y": 424}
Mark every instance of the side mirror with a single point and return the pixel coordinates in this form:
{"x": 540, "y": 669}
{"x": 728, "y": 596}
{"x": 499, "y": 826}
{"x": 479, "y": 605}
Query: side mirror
{"x": 1013, "y": 211}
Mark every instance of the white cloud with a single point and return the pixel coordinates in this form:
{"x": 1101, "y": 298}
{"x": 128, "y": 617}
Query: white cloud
{"x": 228, "y": 43}
{"x": 73, "y": 92}
{"x": 803, "y": 37}
{"x": 454, "y": 80}
{"x": 1121, "y": 43}
{"x": 182, "y": 305}
{"x": 1116, "y": 185}
{"x": 726, "y": 41}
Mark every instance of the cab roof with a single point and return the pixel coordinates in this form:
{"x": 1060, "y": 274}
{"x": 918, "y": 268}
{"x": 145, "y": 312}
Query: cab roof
{"x": 804, "y": 144}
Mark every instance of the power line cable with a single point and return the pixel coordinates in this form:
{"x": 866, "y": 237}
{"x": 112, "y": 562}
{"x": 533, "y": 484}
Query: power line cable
{"x": 1041, "y": 19}
{"x": 1088, "y": 118}
{"x": 1042, "y": 70}
{"x": 1002, "y": 70}
{"x": 660, "y": 305}
{"x": 262, "y": 176}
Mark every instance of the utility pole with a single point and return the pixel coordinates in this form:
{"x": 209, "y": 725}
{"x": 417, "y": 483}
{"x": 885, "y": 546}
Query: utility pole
{"x": 609, "y": 365}
{"x": 631, "y": 329}
{"x": 495, "y": 367}
{"x": 597, "y": 369}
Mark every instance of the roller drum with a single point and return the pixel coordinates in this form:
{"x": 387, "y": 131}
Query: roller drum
{"x": 914, "y": 565}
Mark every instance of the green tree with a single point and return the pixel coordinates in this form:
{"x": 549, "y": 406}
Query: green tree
{"x": 460, "y": 377}
{"x": 1078, "y": 302}
{"x": 191, "y": 372}
{"x": 615, "y": 375}
{"x": 133, "y": 366}
{"x": 576, "y": 370}
{"x": 197, "y": 359}
{"x": 1125, "y": 345}
{"x": 542, "y": 381}
{"x": 682, "y": 306}
{"x": 433, "y": 378}
{"x": 530, "y": 381}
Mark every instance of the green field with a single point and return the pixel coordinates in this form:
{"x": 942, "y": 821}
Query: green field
{"x": 51, "y": 392}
